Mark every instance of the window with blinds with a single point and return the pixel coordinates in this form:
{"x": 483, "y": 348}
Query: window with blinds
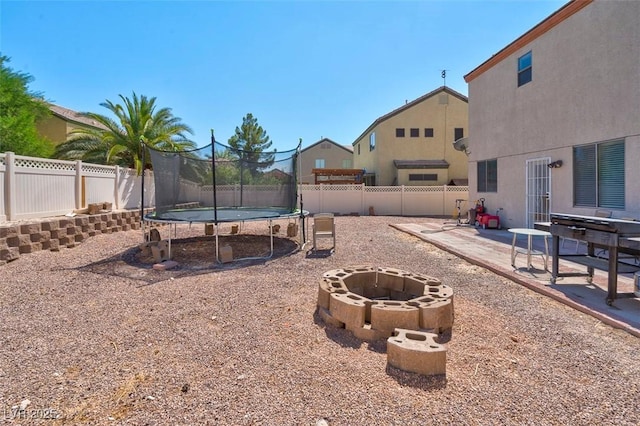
{"x": 488, "y": 176}
{"x": 598, "y": 175}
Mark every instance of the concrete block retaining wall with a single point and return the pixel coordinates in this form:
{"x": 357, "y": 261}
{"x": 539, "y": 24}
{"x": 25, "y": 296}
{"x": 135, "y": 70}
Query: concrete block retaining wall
{"x": 61, "y": 232}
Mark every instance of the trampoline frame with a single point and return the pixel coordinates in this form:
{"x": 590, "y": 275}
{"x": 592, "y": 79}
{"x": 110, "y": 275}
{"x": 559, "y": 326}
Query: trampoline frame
{"x": 300, "y": 215}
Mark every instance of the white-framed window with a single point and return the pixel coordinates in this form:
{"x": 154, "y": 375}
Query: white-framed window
{"x": 372, "y": 141}
{"x": 319, "y": 163}
{"x": 346, "y": 163}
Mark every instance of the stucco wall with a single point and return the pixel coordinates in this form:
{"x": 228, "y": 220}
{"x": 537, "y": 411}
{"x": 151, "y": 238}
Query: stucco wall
{"x": 332, "y": 154}
{"x": 53, "y": 128}
{"x": 585, "y": 89}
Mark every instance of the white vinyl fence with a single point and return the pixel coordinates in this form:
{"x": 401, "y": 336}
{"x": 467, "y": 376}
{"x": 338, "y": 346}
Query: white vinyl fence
{"x": 385, "y": 200}
{"x": 39, "y": 187}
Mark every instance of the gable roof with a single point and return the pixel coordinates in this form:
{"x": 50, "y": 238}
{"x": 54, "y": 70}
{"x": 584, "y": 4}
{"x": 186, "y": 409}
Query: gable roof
{"x": 70, "y": 115}
{"x": 551, "y": 21}
{"x": 409, "y": 105}
{"x": 349, "y": 149}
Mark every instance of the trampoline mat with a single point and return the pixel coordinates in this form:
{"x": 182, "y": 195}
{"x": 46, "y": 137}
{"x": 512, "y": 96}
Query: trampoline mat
{"x": 208, "y": 215}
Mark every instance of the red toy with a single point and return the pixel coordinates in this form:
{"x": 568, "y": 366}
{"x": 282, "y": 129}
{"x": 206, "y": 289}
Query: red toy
{"x": 486, "y": 220}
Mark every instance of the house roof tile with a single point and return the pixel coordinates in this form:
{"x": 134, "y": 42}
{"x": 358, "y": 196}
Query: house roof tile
{"x": 70, "y": 115}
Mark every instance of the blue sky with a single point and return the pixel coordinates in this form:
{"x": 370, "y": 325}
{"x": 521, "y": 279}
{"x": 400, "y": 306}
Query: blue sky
{"x": 304, "y": 69}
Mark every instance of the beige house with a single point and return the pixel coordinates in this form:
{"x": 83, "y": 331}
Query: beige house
{"x": 57, "y": 126}
{"x": 413, "y": 144}
{"x": 324, "y": 154}
{"x": 555, "y": 117}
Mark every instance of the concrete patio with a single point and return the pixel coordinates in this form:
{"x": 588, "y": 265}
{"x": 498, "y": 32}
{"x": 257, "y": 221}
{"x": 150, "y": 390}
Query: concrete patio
{"x": 491, "y": 249}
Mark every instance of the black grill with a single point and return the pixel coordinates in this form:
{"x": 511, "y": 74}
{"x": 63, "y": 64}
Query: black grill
{"x": 614, "y": 235}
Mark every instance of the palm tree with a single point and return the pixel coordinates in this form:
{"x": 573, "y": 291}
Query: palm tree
{"x": 119, "y": 142}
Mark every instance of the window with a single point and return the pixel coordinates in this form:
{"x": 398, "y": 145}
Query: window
{"x": 458, "y": 133}
{"x": 346, "y": 164}
{"x": 428, "y": 132}
{"x": 358, "y": 149}
{"x": 414, "y": 133}
{"x": 524, "y": 69}
{"x": 319, "y": 163}
{"x": 488, "y": 176}
{"x": 399, "y": 133}
{"x": 598, "y": 175}
{"x": 372, "y": 141}
{"x": 423, "y": 176}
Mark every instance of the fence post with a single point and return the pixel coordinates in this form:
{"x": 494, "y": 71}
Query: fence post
{"x": 10, "y": 186}
{"x": 444, "y": 198}
{"x": 402, "y": 200}
{"x": 116, "y": 185}
{"x": 362, "y": 200}
{"x": 78, "y": 184}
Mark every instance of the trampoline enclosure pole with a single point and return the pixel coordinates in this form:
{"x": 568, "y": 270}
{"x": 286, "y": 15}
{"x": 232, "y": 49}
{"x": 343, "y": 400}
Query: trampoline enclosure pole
{"x": 213, "y": 171}
{"x": 142, "y": 189}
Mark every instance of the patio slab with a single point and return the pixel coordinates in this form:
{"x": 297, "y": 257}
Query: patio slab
{"x": 491, "y": 249}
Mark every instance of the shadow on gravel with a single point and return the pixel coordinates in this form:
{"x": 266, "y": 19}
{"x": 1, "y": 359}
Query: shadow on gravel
{"x": 195, "y": 256}
{"x": 416, "y": 380}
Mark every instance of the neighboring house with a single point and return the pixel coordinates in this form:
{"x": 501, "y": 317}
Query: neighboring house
{"x": 324, "y": 154}
{"x": 413, "y": 144}
{"x": 555, "y": 117}
{"x": 57, "y": 126}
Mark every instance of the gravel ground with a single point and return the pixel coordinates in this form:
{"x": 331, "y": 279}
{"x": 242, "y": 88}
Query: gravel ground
{"x": 93, "y": 336}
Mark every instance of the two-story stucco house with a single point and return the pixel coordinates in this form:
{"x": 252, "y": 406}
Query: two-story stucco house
{"x": 57, "y": 126}
{"x": 413, "y": 144}
{"x": 324, "y": 154}
{"x": 554, "y": 117}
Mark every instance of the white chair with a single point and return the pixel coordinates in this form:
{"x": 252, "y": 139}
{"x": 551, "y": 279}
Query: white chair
{"x": 323, "y": 227}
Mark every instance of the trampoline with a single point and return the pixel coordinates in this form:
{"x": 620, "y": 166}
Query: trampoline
{"x": 208, "y": 215}
{"x": 221, "y": 184}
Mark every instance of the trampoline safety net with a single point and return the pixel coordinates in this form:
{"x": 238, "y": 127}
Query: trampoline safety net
{"x": 217, "y": 177}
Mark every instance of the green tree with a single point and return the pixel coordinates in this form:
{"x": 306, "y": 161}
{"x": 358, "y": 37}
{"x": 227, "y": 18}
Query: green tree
{"x": 227, "y": 171}
{"x": 20, "y": 110}
{"x": 135, "y": 119}
{"x": 251, "y": 144}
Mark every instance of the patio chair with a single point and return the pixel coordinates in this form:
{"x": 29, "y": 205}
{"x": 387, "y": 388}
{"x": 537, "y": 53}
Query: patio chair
{"x": 323, "y": 227}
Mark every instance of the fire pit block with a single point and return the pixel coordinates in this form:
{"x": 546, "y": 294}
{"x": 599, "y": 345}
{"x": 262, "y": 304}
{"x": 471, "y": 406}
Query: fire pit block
{"x": 391, "y": 278}
{"x": 328, "y": 286}
{"x": 435, "y": 314}
{"x": 328, "y": 319}
{"x": 389, "y": 315}
{"x": 416, "y": 352}
{"x": 348, "y": 308}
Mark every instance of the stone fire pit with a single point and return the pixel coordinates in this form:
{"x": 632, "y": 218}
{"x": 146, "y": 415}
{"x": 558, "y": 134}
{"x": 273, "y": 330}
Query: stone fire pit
{"x": 377, "y": 303}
